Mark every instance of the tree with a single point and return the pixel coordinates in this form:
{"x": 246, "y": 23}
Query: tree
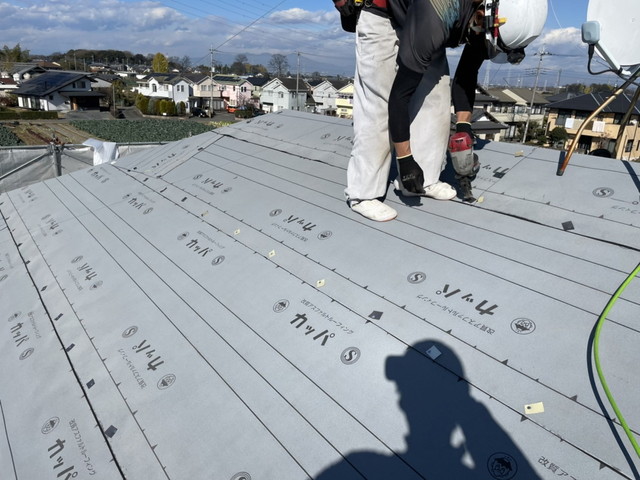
{"x": 559, "y": 134}
{"x": 15, "y": 54}
{"x": 240, "y": 66}
{"x": 576, "y": 88}
{"x": 160, "y": 64}
{"x": 278, "y": 64}
{"x": 185, "y": 63}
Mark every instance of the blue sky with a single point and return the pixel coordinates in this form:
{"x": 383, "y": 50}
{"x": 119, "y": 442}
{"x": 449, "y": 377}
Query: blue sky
{"x": 192, "y": 27}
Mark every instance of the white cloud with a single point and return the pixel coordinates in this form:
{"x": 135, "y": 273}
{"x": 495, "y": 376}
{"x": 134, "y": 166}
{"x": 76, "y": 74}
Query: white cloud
{"x": 300, "y": 16}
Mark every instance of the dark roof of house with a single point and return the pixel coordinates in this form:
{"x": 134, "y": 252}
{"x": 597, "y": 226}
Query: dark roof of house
{"x": 338, "y": 84}
{"x": 591, "y": 101}
{"x": 558, "y": 97}
{"x": 49, "y": 82}
{"x": 258, "y": 81}
{"x": 291, "y": 83}
{"x": 195, "y": 77}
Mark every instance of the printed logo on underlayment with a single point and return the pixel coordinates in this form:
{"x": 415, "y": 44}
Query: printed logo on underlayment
{"x": 603, "y": 192}
{"x": 26, "y": 354}
{"x": 130, "y": 332}
{"x": 166, "y": 381}
{"x": 77, "y": 259}
{"x": 218, "y": 260}
{"x": 280, "y": 306}
{"x": 275, "y": 212}
{"x": 502, "y": 466}
{"x": 350, "y": 355}
{"x": 326, "y": 235}
{"x": 50, "y": 425}
{"x": 416, "y": 277}
{"x": 523, "y": 326}
{"x": 241, "y": 476}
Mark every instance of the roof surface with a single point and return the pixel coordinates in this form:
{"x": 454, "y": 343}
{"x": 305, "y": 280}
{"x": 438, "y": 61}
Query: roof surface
{"x": 591, "y": 101}
{"x": 212, "y": 309}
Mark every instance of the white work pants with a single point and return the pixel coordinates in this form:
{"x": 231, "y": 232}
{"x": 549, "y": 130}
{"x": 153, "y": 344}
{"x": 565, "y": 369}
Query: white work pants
{"x": 370, "y": 162}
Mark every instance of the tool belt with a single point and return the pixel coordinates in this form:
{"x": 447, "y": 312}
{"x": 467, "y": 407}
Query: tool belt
{"x": 350, "y": 21}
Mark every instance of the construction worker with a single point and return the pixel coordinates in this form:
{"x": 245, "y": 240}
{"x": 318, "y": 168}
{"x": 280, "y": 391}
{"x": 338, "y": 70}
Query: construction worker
{"x": 496, "y": 29}
{"x": 370, "y": 161}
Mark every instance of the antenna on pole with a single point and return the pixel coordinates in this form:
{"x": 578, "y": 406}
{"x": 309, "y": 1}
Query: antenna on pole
{"x": 541, "y": 54}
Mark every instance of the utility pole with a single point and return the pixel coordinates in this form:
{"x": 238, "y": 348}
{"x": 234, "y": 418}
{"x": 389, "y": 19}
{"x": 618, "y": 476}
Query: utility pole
{"x": 211, "y": 84}
{"x": 297, "y": 82}
{"x": 486, "y": 74}
{"x": 541, "y": 54}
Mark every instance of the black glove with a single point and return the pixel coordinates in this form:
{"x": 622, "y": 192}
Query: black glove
{"x": 411, "y": 175}
{"x": 465, "y": 127}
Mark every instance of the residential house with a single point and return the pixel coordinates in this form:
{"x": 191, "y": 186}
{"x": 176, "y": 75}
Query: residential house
{"x": 222, "y": 92}
{"x": 344, "y": 102}
{"x": 514, "y": 106}
{"x": 205, "y": 93}
{"x": 601, "y": 133}
{"x": 22, "y": 71}
{"x": 325, "y": 95}
{"x": 58, "y": 91}
{"x": 169, "y": 86}
{"x": 257, "y": 84}
{"x": 484, "y": 123}
{"x": 283, "y": 93}
{"x": 7, "y": 86}
{"x": 234, "y": 90}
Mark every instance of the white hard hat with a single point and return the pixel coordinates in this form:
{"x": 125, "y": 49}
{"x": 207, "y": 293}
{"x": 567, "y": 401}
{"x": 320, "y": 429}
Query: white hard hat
{"x": 511, "y": 25}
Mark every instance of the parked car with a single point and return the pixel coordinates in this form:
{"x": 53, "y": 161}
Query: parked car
{"x": 232, "y": 108}
{"x": 199, "y": 112}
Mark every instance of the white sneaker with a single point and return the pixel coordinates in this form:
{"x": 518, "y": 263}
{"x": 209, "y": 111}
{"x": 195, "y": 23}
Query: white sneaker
{"x": 440, "y": 191}
{"x": 374, "y": 210}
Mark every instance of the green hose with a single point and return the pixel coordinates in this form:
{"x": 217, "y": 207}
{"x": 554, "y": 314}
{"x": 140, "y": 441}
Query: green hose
{"x": 596, "y": 342}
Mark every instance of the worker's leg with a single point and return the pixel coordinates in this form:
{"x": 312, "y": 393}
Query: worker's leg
{"x": 376, "y": 50}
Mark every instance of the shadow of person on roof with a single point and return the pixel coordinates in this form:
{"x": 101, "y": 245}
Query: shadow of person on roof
{"x": 452, "y": 436}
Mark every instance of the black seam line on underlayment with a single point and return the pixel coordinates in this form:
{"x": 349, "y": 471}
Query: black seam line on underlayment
{"x": 168, "y": 319}
{"x": 172, "y": 168}
{"x": 409, "y": 346}
{"x": 349, "y": 280}
{"x": 70, "y": 304}
{"x": 365, "y": 428}
{"x": 269, "y": 162}
{"x": 572, "y": 212}
{"x": 243, "y": 140}
{"x": 205, "y": 322}
{"x": 515, "y": 261}
{"x": 4, "y": 423}
{"x": 267, "y": 172}
{"x": 66, "y": 353}
{"x": 413, "y": 226}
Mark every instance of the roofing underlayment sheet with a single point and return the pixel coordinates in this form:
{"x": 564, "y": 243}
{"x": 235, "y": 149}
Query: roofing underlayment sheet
{"x": 212, "y": 309}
